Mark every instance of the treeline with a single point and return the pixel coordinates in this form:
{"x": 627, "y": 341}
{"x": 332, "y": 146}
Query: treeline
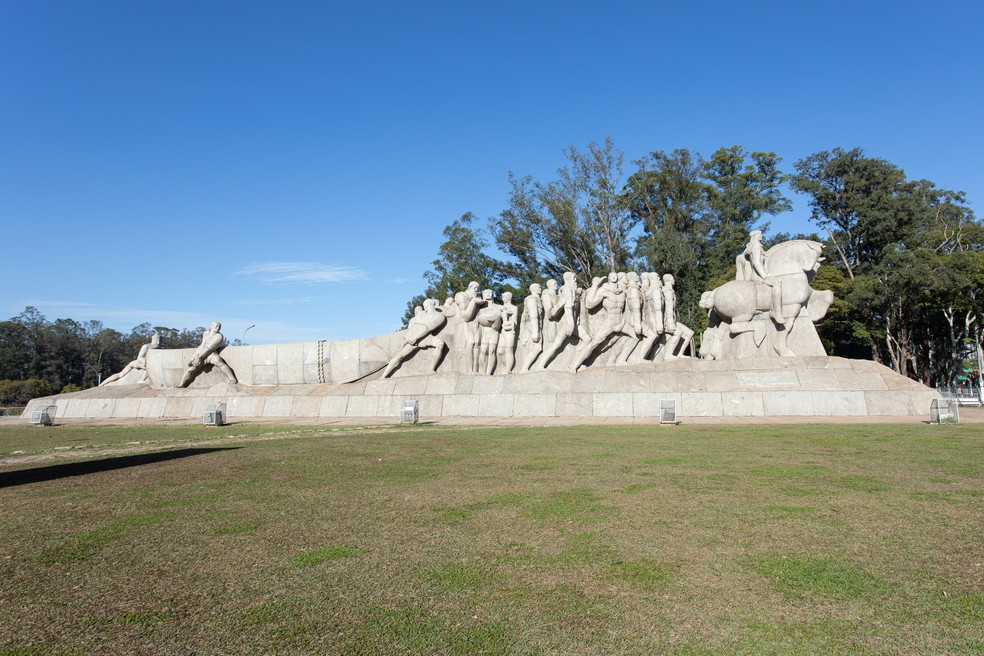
{"x": 905, "y": 258}
{"x": 40, "y": 357}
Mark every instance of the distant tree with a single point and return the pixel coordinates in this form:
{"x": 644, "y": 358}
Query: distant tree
{"x": 578, "y": 222}
{"x": 461, "y": 258}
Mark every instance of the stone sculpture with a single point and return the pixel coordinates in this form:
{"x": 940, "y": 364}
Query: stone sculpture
{"x": 563, "y": 315}
{"x": 678, "y": 335}
{"x": 207, "y": 354}
{"x": 138, "y": 364}
{"x": 489, "y": 320}
{"x": 421, "y": 334}
{"x": 768, "y": 297}
{"x": 507, "y": 344}
{"x": 611, "y": 298}
{"x": 467, "y": 305}
{"x": 531, "y": 326}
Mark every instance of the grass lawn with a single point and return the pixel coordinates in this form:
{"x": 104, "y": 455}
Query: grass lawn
{"x": 441, "y": 540}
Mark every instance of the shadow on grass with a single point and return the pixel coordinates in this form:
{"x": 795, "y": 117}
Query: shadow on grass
{"x": 53, "y": 472}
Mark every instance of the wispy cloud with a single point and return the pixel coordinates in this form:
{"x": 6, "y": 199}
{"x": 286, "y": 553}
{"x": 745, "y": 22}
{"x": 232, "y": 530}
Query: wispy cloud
{"x": 307, "y": 273}
{"x": 275, "y": 301}
{"x": 396, "y": 281}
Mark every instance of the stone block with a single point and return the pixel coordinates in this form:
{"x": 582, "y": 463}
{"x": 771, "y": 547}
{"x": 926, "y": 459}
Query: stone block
{"x": 487, "y": 385}
{"x": 819, "y": 379}
{"x": 333, "y": 406}
{"x": 179, "y": 407}
{"x": 789, "y": 404}
{"x": 495, "y": 405}
{"x": 100, "y": 408}
{"x": 535, "y": 405}
{"x": 381, "y": 386}
{"x": 575, "y": 405}
{"x": 646, "y": 404}
{"x": 461, "y": 405}
{"x": 245, "y": 406}
{"x": 700, "y": 404}
{"x": 839, "y": 404}
{"x": 265, "y": 355}
{"x": 290, "y": 363}
{"x": 362, "y": 406}
{"x": 410, "y": 387}
{"x": 694, "y": 381}
{"x": 720, "y": 381}
{"x": 612, "y": 404}
{"x": 265, "y": 375}
{"x": 464, "y": 384}
{"x": 742, "y": 404}
{"x": 152, "y": 408}
{"x": 128, "y": 408}
{"x": 278, "y": 406}
{"x": 767, "y": 380}
{"x": 441, "y": 384}
{"x": 431, "y": 406}
{"x": 240, "y": 359}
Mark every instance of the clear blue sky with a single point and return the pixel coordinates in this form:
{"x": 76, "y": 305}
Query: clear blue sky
{"x": 292, "y": 164}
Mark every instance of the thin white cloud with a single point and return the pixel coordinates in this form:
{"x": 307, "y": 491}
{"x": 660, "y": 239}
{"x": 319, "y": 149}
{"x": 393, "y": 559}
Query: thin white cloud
{"x": 307, "y": 273}
{"x": 396, "y": 281}
{"x": 276, "y": 301}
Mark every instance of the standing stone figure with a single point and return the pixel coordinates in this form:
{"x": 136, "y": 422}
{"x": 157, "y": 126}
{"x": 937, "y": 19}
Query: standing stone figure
{"x": 550, "y": 300}
{"x": 468, "y": 302}
{"x": 421, "y": 334}
{"x": 531, "y": 326}
{"x": 611, "y": 320}
{"x": 489, "y": 320}
{"x": 207, "y": 353}
{"x": 633, "y": 314}
{"x": 138, "y": 364}
{"x": 510, "y": 326}
{"x": 564, "y": 317}
{"x": 678, "y": 335}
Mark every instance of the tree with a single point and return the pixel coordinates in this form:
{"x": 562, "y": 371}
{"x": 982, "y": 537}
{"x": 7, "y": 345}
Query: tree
{"x": 460, "y": 259}
{"x": 742, "y": 188}
{"x": 577, "y": 222}
{"x": 669, "y": 198}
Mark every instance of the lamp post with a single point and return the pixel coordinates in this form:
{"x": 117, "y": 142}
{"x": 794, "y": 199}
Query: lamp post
{"x": 243, "y": 340}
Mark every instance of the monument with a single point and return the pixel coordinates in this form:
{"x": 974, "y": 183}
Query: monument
{"x": 615, "y": 349}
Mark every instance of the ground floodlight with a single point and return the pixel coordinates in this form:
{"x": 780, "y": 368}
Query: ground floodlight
{"x": 44, "y": 416}
{"x": 409, "y": 412}
{"x": 667, "y": 411}
{"x": 214, "y": 415}
{"x": 944, "y": 411}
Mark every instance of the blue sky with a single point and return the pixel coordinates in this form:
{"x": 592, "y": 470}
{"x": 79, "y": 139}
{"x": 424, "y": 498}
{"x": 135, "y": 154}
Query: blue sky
{"x": 292, "y": 164}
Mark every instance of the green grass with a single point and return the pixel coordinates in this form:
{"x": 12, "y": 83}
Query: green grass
{"x": 441, "y": 540}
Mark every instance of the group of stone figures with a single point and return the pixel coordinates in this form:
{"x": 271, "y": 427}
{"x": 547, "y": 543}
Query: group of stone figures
{"x": 641, "y": 307}
{"x": 631, "y": 314}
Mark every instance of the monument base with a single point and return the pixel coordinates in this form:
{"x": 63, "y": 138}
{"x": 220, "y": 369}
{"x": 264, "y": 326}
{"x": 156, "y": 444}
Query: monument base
{"x": 818, "y": 386}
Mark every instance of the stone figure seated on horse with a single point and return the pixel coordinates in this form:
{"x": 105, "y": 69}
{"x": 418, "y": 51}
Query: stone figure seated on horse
{"x": 742, "y": 306}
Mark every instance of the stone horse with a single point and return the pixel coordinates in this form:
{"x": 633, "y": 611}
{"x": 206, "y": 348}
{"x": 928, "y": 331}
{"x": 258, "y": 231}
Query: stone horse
{"x": 742, "y": 306}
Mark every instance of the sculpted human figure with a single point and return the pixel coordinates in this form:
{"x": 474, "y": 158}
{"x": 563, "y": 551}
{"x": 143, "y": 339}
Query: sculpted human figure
{"x": 138, "y": 364}
{"x": 751, "y": 265}
{"x": 564, "y": 317}
{"x": 489, "y": 320}
{"x": 678, "y": 335}
{"x": 652, "y": 312}
{"x": 531, "y": 326}
{"x": 468, "y": 303}
{"x": 207, "y": 353}
{"x": 510, "y": 326}
{"x": 633, "y": 313}
{"x": 550, "y": 301}
{"x": 421, "y": 334}
{"x": 611, "y": 319}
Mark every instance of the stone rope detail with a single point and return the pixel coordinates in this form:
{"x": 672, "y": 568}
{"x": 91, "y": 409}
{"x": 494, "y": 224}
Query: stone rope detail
{"x": 321, "y": 361}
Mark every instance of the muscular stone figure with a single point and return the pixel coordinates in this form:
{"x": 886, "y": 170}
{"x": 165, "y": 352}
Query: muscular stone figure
{"x": 421, "y": 334}
{"x": 208, "y": 353}
{"x": 679, "y": 336}
{"x": 564, "y": 317}
{"x": 633, "y": 314}
{"x": 550, "y": 301}
{"x": 468, "y": 302}
{"x": 531, "y": 326}
{"x": 611, "y": 319}
{"x": 489, "y": 320}
{"x": 138, "y": 364}
{"x": 510, "y": 326}
{"x": 652, "y": 312}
